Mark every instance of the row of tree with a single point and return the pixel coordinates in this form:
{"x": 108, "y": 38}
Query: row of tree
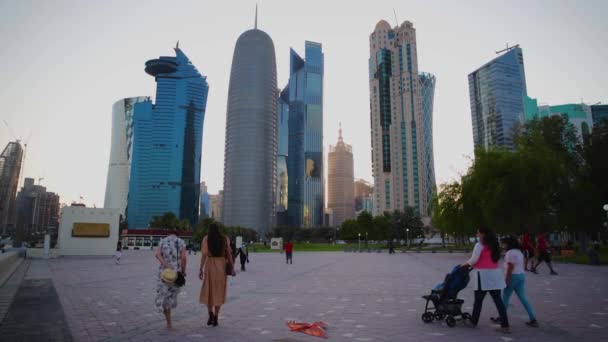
{"x": 398, "y": 225}
{"x": 554, "y": 180}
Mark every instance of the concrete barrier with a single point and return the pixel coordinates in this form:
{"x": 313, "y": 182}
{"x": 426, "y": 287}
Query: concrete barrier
{"x": 9, "y": 262}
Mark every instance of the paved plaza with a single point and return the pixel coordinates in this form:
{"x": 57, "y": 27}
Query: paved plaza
{"x": 363, "y": 297}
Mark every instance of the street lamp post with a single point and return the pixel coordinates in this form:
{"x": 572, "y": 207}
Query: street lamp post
{"x": 407, "y": 237}
{"x": 359, "y": 242}
{"x": 365, "y": 239}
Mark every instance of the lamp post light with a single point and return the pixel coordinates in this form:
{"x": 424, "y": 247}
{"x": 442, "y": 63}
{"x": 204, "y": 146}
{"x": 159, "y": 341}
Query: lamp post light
{"x": 407, "y": 237}
{"x": 359, "y": 241}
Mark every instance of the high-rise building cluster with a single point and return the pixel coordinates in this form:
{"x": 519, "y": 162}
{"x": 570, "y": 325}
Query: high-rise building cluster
{"x": 500, "y": 102}
{"x": 155, "y": 159}
{"x": 33, "y": 211}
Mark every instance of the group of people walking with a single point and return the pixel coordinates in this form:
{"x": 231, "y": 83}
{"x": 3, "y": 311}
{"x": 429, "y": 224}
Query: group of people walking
{"x": 489, "y": 277}
{"x": 217, "y": 263}
{"x": 218, "y": 258}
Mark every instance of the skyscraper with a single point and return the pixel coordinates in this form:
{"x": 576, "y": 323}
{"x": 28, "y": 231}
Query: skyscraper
{"x": 250, "y": 163}
{"x": 282, "y": 155}
{"x": 10, "y": 168}
{"x": 167, "y": 143}
{"x": 364, "y": 192}
{"x": 427, "y": 91}
{"x": 341, "y": 181}
{"x": 204, "y": 203}
{"x": 305, "y": 162}
{"x": 599, "y": 113}
{"x": 401, "y": 120}
{"x": 121, "y": 150}
{"x": 497, "y": 91}
{"x": 37, "y": 209}
{"x": 578, "y": 114}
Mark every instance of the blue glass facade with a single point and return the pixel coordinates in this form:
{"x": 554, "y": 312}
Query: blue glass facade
{"x": 497, "y": 92}
{"x": 427, "y": 91}
{"x": 282, "y": 155}
{"x": 599, "y": 113}
{"x": 305, "y": 162}
{"x": 167, "y": 144}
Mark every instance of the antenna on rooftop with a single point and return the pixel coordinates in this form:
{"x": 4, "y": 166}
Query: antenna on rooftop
{"x": 396, "y": 21}
{"x": 507, "y": 48}
{"x": 255, "y": 26}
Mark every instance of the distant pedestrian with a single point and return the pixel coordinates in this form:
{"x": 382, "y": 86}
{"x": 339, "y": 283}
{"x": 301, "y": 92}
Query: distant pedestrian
{"x": 233, "y": 250}
{"x": 515, "y": 278}
{"x": 288, "y": 252}
{"x": 118, "y": 252}
{"x": 527, "y": 248}
{"x": 391, "y": 247}
{"x": 490, "y": 278}
{"x": 171, "y": 253}
{"x": 542, "y": 252}
{"x": 243, "y": 253}
{"x": 217, "y": 264}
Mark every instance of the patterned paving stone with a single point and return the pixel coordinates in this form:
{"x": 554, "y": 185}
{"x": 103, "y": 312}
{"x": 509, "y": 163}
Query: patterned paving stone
{"x": 363, "y": 297}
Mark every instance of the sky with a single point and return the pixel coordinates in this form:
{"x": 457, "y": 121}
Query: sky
{"x": 64, "y": 63}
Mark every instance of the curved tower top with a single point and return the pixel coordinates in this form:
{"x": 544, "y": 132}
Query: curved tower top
{"x": 251, "y": 134}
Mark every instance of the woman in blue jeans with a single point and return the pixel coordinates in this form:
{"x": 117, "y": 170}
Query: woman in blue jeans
{"x": 516, "y": 278}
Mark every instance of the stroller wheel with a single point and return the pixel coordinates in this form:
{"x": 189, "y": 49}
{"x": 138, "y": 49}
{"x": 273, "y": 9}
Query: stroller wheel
{"x": 427, "y": 317}
{"x": 439, "y": 315}
{"x": 466, "y": 316}
{"x": 450, "y": 321}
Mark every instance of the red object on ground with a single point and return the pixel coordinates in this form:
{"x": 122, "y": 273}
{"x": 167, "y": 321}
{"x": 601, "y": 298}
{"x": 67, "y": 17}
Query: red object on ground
{"x": 316, "y": 329}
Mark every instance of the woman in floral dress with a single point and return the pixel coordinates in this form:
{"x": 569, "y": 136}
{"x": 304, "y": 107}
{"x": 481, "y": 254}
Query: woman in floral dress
{"x": 170, "y": 249}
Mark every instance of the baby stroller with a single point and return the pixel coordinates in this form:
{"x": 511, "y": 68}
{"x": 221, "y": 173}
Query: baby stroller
{"x": 444, "y": 298}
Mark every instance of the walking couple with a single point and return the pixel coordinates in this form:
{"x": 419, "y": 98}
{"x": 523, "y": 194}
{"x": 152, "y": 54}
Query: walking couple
{"x": 216, "y": 265}
{"x": 490, "y": 277}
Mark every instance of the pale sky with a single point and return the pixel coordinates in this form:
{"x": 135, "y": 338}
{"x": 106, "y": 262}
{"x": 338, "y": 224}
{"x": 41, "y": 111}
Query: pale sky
{"x": 64, "y": 63}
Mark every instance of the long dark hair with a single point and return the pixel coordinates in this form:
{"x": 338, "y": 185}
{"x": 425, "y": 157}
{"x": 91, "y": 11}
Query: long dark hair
{"x": 491, "y": 241}
{"x": 216, "y": 242}
{"x": 511, "y": 242}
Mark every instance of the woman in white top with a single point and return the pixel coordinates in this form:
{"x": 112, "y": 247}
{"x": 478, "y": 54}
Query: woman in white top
{"x": 515, "y": 278}
{"x": 489, "y": 276}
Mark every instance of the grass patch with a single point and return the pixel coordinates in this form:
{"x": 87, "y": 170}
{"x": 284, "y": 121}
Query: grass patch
{"x": 583, "y": 258}
{"x": 318, "y": 247}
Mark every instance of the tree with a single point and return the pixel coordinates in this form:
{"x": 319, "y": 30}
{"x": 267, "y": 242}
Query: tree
{"x": 350, "y": 229}
{"x": 167, "y": 221}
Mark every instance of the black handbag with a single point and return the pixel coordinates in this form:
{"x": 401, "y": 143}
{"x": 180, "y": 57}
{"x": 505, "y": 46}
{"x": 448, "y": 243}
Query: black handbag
{"x": 181, "y": 278}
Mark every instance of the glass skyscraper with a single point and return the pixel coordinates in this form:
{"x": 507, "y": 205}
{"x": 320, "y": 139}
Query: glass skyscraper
{"x": 599, "y": 113}
{"x": 121, "y": 150}
{"x": 250, "y": 159}
{"x": 167, "y": 143}
{"x": 401, "y": 106}
{"x": 497, "y": 92}
{"x": 282, "y": 155}
{"x": 427, "y": 90}
{"x": 305, "y": 162}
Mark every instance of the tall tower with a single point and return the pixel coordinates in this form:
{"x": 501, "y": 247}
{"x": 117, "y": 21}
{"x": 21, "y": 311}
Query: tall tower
{"x": 427, "y": 90}
{"x": 250, "y": 157}
{"x": 497, "y": 91}
{"x": 121, "y": 150}
{"x": 282, "y": 156}
{"x": 167, "y": 143}
{"x": 399, "y": 156}
{"x": 341, "y": 181}
{"x": 10, "y": 168}
{"x": 305, "y": 163}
